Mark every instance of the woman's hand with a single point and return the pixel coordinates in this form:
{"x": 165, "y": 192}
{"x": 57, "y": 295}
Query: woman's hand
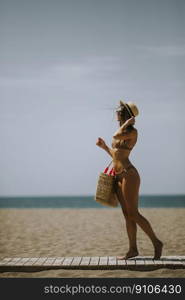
{"x": 101, "y": 143}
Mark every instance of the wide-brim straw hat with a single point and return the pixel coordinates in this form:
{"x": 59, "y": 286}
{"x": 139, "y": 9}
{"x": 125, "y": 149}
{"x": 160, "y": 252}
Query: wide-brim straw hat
{"x": 131, "y": 108}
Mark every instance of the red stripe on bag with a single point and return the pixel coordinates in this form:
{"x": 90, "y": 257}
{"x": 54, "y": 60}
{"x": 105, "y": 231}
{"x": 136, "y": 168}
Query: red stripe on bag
{"x": 106, "y": 170}
{"x": 111, "y": 171}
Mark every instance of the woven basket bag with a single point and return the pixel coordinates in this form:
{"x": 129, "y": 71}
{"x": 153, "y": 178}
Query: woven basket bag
{"x": 105, "y": 190}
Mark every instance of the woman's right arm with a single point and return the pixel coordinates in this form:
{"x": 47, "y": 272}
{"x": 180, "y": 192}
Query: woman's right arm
{"x": 101, "y": 143}
{"x": 108, "y": 150}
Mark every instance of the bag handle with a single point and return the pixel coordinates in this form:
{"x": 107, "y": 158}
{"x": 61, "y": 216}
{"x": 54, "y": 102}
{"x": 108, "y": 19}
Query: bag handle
{"x": 106, "y": 169}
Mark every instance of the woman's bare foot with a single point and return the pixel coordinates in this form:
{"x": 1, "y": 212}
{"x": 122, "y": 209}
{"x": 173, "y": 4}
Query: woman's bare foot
{"x": 130, "y": 254}
{"x": 158, "y": 249}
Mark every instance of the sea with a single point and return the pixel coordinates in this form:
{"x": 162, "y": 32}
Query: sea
{"x": 168, "y": 201}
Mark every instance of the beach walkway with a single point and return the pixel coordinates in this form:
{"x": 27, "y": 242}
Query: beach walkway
{"x": 142, "y": 263}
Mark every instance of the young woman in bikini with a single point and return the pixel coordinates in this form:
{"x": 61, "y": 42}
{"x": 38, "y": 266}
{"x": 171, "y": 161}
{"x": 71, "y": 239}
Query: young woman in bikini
{"x": 128, "y": 178}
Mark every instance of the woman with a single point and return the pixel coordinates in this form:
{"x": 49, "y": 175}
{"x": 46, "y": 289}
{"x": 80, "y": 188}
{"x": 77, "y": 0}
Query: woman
{"x": 128, "y": 178}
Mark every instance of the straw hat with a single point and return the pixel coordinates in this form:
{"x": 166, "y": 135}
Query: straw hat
{"x": 131, "y": 108}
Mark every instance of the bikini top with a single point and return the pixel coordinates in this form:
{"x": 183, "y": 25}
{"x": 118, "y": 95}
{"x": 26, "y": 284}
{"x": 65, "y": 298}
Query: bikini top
{"x": 121, "y": 145}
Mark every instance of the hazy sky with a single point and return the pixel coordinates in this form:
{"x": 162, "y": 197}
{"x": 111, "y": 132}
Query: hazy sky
{"x": 64, "y": 65}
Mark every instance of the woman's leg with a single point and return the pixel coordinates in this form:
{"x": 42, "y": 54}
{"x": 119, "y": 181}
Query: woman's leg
{"x": 130, "y": 189}
{"x": 130, "y": 226}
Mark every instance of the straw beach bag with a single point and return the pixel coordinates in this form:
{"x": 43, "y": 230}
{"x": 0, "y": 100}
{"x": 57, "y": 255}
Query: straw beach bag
{"x": 105, "y": 190}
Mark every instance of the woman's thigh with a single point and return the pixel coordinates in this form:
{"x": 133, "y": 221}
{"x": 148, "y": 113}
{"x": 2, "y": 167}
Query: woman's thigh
{"x": 120, "y": 197}
{"x": 130, "y": 191}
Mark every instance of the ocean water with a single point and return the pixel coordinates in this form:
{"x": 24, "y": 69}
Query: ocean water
{"x": 86, "y": 201}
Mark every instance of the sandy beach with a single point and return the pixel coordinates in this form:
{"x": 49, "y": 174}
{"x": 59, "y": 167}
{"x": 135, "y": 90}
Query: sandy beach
{"x": 87, "y": 232}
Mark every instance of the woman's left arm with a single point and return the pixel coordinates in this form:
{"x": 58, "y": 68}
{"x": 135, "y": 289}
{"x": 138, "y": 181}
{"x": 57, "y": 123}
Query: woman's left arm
{"x": 120, "y": 134}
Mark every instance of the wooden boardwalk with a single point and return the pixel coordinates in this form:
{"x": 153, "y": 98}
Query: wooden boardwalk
{"x": 142, "y": 263}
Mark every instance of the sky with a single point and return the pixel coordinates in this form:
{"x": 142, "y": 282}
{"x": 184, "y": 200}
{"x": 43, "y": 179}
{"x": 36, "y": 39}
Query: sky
{"x": 64, "y": 66}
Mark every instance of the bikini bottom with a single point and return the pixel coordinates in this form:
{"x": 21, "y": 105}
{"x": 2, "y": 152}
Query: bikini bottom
{"x": 120, "y": 176}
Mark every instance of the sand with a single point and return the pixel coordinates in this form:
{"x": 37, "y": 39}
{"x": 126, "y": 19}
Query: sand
{"x": 87, "y": 232}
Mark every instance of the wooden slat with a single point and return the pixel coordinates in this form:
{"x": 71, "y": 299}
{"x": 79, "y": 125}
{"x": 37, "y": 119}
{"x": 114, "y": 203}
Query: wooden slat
{"x": 13, "y": 261}
{"x": 94, "y": 261}
{"x": 121, "y": 262}
{"x": 169, "y": 262}
{"x": 103, "y": 261}
{"x": 85, "y": 261}
{"x": 165, "y": 260}
{"x": 58, "y": 261}
{"x": 130, "y": 262}
{"x": 22, "y": 261}
{"x": 76, "y": 261}
{"x": 112, "y": 260}
{"x": 149, "y": 262}
{"x": 40, "y": 261}
{"x": 158, "y": 262}
{"x": 172, "y": 257}
{"x": 140, "y": 262}
{"x": 5, "y": 260}
{"x": 162, "y": 261}
{"x": 49, "y": 261}
{"x": 181, "y": 258}
{"x": 67, "y": 261}
{"x": 31, "y": 261}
